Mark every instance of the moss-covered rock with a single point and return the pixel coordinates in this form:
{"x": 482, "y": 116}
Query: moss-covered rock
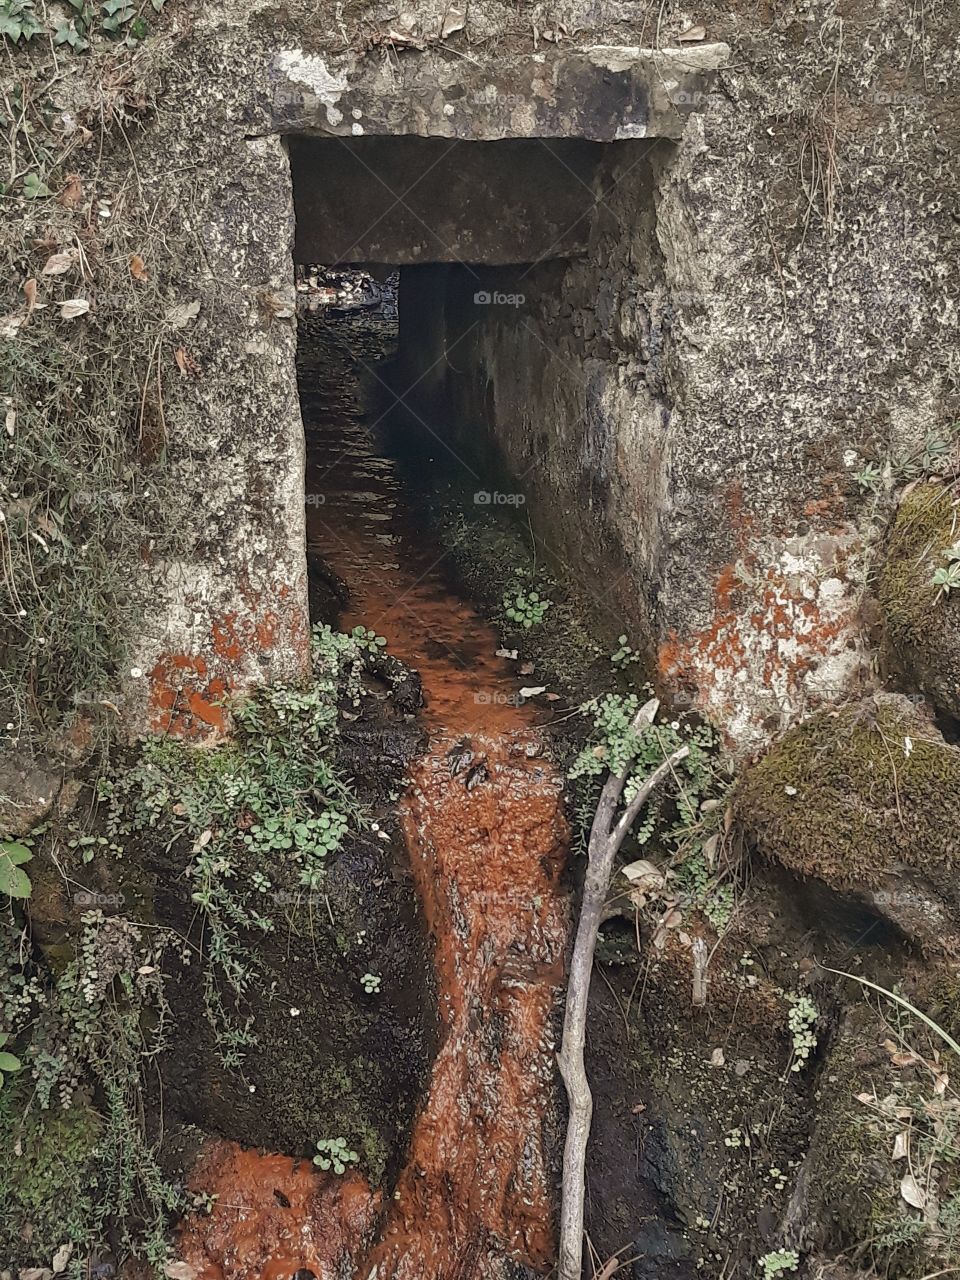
{"x": 48, "y": 1176}
{"x": 848, "y": 795}
{"x": 921, "y": 624}
{"x": 880, "y": 1119}
{"x": 868, "y": 799}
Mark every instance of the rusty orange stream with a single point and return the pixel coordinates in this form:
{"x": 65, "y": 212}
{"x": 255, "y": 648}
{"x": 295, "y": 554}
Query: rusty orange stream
{"x": 486, "y": 838}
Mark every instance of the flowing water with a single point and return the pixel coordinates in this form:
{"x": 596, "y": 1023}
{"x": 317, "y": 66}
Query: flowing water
{"x": 486, "y": 839}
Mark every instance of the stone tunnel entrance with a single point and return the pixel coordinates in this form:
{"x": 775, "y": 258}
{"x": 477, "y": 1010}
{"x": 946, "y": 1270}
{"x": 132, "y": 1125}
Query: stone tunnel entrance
{"x": 466, "y": 313}
{"x": 527, "y": 271}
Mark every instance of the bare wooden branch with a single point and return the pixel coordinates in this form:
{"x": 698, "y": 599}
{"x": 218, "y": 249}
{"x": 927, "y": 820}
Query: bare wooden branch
{"x": 701, "y": 959}
{"x": 606, "y": 836}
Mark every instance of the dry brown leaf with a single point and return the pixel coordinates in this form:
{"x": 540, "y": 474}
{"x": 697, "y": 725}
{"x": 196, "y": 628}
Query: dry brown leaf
{"x": 643, "y": 875}
{"x": 61, "y": 1258}
{"x": 901, "y": 1145}
{"x": 72, "y": 192}
{"x": 186, "y": 363}
{"x": 179, "y": 1271}
{"x": 692, "y": 34}
{"x": 9, "y": 325}
{"x": 11, "y": 421}
{"x": 138, "y": 268}
{"x": 912, "y": 1192}
{"x": 30, "y": 293}
{"x": 58, "y": 263}
{"x": 74, "y": 307}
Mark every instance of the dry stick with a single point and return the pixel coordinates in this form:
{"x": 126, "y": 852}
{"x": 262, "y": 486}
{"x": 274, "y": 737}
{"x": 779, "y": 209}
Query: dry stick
{"x": 606, "y": 837}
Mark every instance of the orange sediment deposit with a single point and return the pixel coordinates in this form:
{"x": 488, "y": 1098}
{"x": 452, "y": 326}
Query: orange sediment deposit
{"x": 273, "y": 1216}
{"x": 486, "y": 837}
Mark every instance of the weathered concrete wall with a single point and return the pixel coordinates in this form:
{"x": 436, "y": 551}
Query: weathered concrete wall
{"x": 232, "y": 611}
{"x": 796, "y": 315}
{"x": 701, "y": 404}
{"x": 559, "y": 362}
{"x": 235, "y": 612}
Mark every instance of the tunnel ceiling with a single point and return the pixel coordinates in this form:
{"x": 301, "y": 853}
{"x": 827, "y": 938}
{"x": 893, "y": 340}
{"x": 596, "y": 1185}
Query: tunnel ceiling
{"x": 409, "y": 200}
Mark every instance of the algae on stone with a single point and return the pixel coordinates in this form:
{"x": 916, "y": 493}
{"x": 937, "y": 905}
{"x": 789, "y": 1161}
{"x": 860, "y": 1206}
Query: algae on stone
{"x": 921, "y": 624}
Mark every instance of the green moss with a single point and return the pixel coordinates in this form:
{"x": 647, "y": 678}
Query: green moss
{"x": 842, "y": 797}
{"x": 854, "y": 1177}
{"x": 921, "y": 626}
{"x": 48, "y": 1176}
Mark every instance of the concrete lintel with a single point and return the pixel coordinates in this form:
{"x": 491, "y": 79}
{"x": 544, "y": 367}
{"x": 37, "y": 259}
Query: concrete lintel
{"x": 602, "y": 93}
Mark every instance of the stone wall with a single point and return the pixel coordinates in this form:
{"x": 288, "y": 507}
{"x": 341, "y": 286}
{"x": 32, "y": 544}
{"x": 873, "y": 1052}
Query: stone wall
{"x": 783, "y": 310}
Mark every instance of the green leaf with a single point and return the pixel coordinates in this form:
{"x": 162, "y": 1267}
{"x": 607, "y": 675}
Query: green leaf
{"x": 14, "y": 882}
{"x": 9, "y": 1063}
{"x": 17, "y": 853}
{"x": 34, "y": 187}
{"x": 138, "y": 29}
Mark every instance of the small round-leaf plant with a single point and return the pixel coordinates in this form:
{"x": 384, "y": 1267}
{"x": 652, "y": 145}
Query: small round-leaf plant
{"x": 623, "y": 655}
{"x": 371, "y": 983}
{"x": 947, "y": 577}
{"x": 779, "y": 1262}
{"x": 8, "y": 1063}
{"x": 526, "y": 607}
{"x": 333, "y": 1153}
{"x": 801, "y": 1020}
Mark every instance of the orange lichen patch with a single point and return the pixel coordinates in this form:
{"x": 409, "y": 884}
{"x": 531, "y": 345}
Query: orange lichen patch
{"x": 182, "y": 700}
{"x": 781, "y": 639}
{"x": 226, "y": 643}
{"x": 272, "y": 1216}
{"x": 186, "y": 689}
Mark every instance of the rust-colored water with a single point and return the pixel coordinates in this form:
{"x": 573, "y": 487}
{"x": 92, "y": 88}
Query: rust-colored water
{"x": 359, "y": 523}
{"x": 486, "y": 836}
